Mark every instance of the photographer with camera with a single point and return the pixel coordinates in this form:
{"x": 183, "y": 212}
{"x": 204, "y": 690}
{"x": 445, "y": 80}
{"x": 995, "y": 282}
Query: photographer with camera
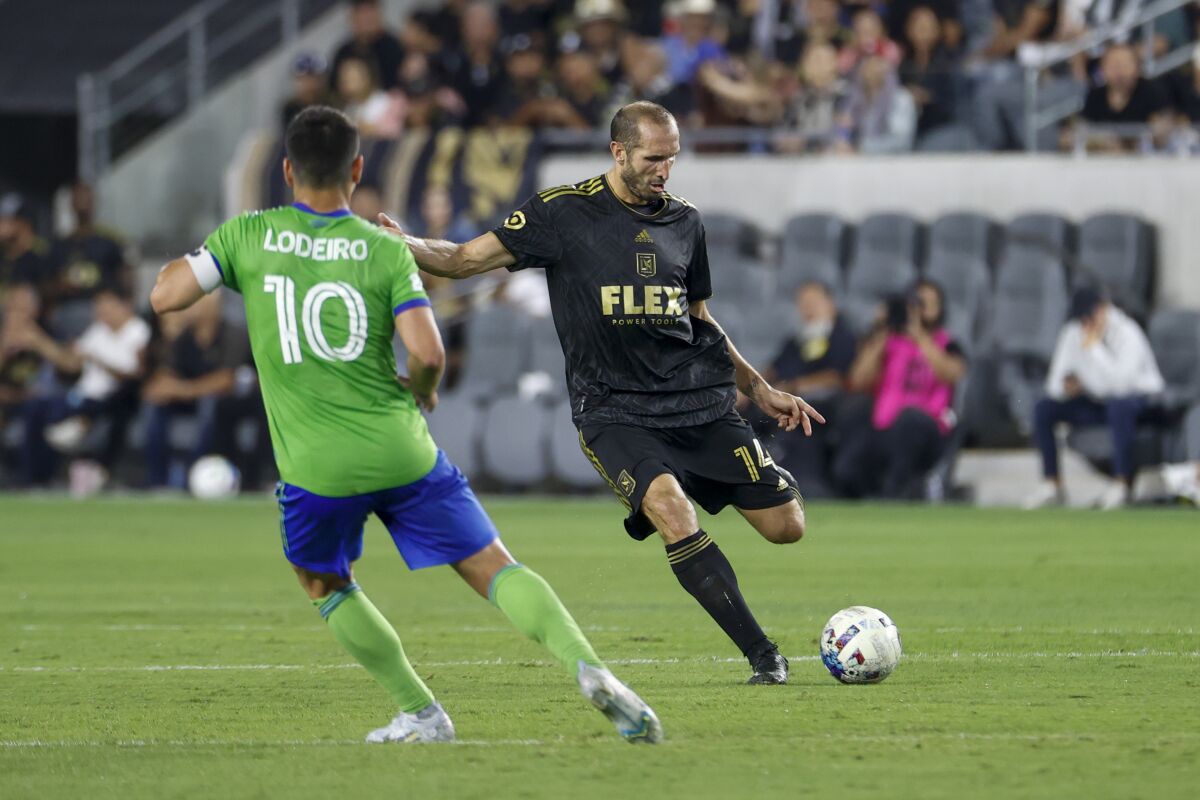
{"x": 909, "y": 366}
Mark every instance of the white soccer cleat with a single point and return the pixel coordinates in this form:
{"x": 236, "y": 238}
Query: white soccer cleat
{"x": 1182, "y": 480}
{"x": 1117, "y": 495}
{"x": 634, "y": 720}
{"x": 1048, "y": 495}
{"x": 430, "y": 724}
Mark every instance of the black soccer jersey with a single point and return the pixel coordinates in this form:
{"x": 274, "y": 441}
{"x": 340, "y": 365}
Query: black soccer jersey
{"x": 621, "y": 279}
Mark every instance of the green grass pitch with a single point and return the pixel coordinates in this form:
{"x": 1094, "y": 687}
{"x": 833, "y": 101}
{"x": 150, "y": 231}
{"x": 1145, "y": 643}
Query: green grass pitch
{"x": 163, "y": 649}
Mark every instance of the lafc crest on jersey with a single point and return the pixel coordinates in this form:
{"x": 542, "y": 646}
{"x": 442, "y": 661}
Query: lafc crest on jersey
{"x": 646, "y": 265}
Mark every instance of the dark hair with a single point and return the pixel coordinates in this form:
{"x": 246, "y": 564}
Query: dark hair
{"x": 1085, "y": 301}
{"x": 941, "y": 296}
{"x": 624, "y": 127}
{"x": 322, "y": 143}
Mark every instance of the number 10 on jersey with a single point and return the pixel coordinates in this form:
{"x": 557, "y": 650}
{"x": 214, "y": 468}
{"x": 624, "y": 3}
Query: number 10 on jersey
{"x": 284, "y": 289}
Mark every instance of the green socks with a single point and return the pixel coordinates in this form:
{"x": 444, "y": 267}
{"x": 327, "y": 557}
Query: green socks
{"x": 533, "y": 607}
{"x": 369, "y": 637}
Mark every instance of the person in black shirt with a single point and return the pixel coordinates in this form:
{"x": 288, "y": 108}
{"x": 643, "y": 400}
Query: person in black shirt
{"x": 24, "y": 257}
{"x": 370, "y": 40}
{"x": 201, "y": 354}
{"x": 1125, "y": 98}
{"x": 813, "y": 361}
{"x": 87, "y": 258}
{"x": 651, "y": 376}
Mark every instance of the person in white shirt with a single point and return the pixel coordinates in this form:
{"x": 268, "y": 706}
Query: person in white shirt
{"x": 1103, "y": 373}
{"x": 108, "y": 359}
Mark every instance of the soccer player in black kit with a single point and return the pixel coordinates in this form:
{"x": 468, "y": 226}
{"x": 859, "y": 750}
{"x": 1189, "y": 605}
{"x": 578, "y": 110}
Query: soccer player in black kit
{"x": 652, "y": 377}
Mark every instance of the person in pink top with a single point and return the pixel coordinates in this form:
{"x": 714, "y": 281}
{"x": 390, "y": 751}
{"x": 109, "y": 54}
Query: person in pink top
{"x": 909, "y": 365}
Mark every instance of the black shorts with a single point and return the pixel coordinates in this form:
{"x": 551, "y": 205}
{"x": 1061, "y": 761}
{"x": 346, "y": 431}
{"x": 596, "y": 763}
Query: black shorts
{"x": 718, "y": 464}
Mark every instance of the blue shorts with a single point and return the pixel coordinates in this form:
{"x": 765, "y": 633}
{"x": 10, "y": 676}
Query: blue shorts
{"x": 436, "y": 520}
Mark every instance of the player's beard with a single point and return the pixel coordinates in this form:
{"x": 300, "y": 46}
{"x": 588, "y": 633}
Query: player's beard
{"x": 638, "y": 185}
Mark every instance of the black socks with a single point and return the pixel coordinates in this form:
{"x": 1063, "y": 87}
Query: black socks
{"x": 706, "y": 574}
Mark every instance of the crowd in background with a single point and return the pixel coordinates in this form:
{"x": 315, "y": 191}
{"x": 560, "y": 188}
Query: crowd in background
{"x": 86, "y": 372}
{"x": 852, "y": 76}
{"x": 80, "y": 358}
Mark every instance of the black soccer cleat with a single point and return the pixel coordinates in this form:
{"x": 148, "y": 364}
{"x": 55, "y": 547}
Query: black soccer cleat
{"x": 770, "y": 668}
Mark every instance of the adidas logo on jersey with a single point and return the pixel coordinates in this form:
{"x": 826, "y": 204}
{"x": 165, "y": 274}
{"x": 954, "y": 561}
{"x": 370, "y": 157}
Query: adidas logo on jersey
{"x": 643, "y": 238}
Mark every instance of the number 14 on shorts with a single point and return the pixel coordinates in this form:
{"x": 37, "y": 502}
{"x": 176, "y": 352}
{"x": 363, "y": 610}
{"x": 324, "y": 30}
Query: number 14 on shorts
{"x": 763, "y": 459}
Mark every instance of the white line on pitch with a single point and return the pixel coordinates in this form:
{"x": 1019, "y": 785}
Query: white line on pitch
{"x": 502, "y": 662}
{"x": 832, "y": 738}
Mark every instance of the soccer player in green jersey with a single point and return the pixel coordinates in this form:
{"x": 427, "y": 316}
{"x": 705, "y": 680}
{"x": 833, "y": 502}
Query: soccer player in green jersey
{"x": 324, "y": 293}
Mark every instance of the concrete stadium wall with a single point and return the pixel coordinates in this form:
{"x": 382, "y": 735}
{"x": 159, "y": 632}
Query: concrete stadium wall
{"x": 1166, "y": 192}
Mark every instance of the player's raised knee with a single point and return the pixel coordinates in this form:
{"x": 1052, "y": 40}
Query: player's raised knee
{"x": 789, "y": 528}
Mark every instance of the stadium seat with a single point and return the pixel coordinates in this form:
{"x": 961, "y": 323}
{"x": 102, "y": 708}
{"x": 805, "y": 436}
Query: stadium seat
{"x": 497, "y": 350}
{"x": 1029, "y": 308}
{"x": 1116, "y": 251}
{"x": 567, "y": 461}
{"x": 884, "y": 263}
{"x": 546, "y": 355}
{"x": 728, "y": 230}
{"x": 813, "y": 247}
{"x": 513, "y": 444}
{"x": 738, "y": 278}
{"x": 960, "y": 251}
{"x": 1047, "y": 233}
{"x": 454, "y": 426}
{"x": 765, "y": 330}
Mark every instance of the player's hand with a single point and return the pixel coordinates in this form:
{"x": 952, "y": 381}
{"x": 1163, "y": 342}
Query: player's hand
{"x": 390, "y": 225}
{"x": 788, "y": 410}
{"x": 426, "y": 402}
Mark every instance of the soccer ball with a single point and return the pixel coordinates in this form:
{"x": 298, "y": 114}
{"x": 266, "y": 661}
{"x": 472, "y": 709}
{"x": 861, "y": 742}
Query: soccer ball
{"x": 860, "y": 645}
{"x": 213, "y": 478}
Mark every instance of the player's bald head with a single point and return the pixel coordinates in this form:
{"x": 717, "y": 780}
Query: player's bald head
{"x": 321, "y": 144}
{"x": 627, "y": 124}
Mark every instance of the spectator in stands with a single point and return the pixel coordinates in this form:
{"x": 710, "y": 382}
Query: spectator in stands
{"x": 814, "y": 362}
{"x": 737, "y": 95}
{"x": 1015, "y": 22}
{"x": 928, "y": 70}
{"x": 378, "y": 114}
{"x": 910, "y": 366}
{"x": 813, "y": 107}
{"x": 418, "y": 36}
{"x": 869, "y": 40}
{"x": 85, "y": 259}
{"x": 584, "y": 91}
{"x": 200, "y": 355}
{"x": 644, "y": 77}
{"x": 1125, "y": 98}
{"x": 370, "y": 40}
{"x": 805, "y": 23}
{"x": 946, "y": 14}
{"x": 531, "y": 18}
{"x": 445, "y": 22}
{"x": 476, "y": 70}
{"x": 19, "y": 363}
{"x": 1103, "y": 373}
{"x": 880, "y": 115}
{"x": 695, "y": 43}
{"x": 600, "y": 33}
{"x": 24, "y": 257}
{"x": 108, "y": 360}
{"x": 527, "y": 83}
{"x": 309, "y": 86}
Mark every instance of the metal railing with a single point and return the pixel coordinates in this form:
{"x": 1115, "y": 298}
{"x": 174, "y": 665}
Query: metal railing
{"x": 1035, "y": 59}
{"x": 174, "y": 68}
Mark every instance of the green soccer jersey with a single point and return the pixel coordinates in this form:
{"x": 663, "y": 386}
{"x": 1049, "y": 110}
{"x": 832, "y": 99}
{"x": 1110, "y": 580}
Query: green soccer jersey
{"x": 321, "y": 293}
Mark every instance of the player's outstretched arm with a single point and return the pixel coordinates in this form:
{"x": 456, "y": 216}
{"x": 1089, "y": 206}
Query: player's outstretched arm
{"x": 176, "y": 288}
{"x": 449, "y": 260}
{"x": 789, "y": 410}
